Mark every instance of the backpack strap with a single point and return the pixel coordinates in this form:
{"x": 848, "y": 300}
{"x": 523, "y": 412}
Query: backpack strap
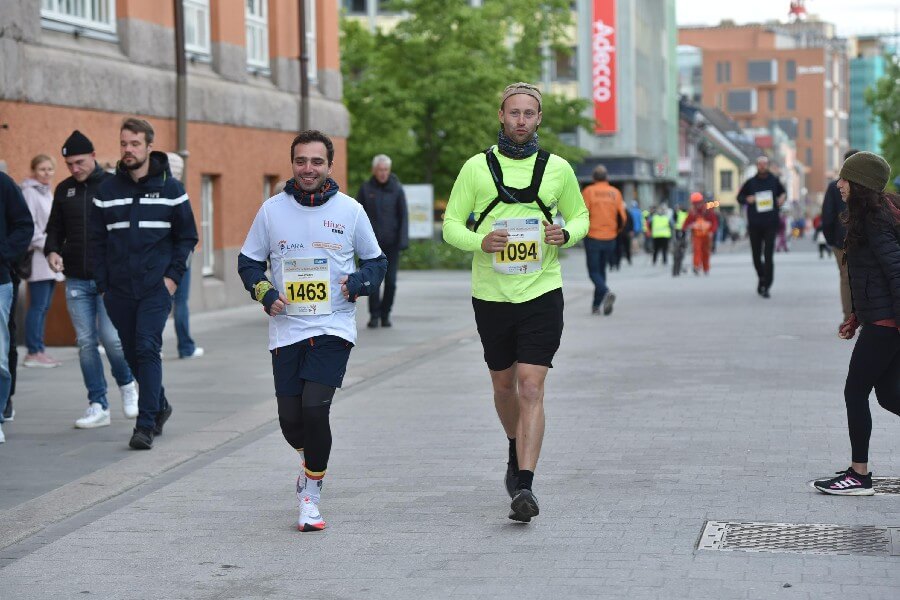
{"x": 513, "y": 195}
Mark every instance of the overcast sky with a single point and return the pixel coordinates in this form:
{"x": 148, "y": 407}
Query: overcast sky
{"x": 852, "y": 17}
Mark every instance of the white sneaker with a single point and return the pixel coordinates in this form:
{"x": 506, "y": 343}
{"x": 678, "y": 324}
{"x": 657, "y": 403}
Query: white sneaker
{"x": 197, "y": 353}
{"x": 310, "y": 518}
{"x": 2, "y": 437}
{"x": 129, "y": 399}
{"x": 94, "y": 416}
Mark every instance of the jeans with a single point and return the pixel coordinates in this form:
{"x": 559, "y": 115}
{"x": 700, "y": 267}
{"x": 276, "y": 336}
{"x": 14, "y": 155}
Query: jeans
{"x": 92, "y": 325}
{"x": 762, "y": 245}
{"x": 140, "y": 323}
{"x": 39, "y": 295}
{"x": 598, "y": 253}
{"x": 6, "y": 298}
{"x": 380, "y": 306}
{"x": 186, "y": 345}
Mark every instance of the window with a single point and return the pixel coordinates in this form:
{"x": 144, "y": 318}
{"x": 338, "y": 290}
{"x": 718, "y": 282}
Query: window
{"x": 741, "y": 101}
{"x": 790, "y": 70}
{"x": 791, "y": 99}
{"x": 809, "y": 157}
{"x": 257, "y": 23}
{"x": 723, "y": 72}
{"x": 762, "y": 71}
{"x": 809, "y": 129}
{"x": 726, "y": 181}
{"x": 91, "y": 14}
{"x": 206, "y": 225}
{"x": 312, "y": 65}
{"x": 196, "y": 27}
{"x": 355, "y": 6}
{"x": 770, "y": 96}
{"x": 565, "y": 65}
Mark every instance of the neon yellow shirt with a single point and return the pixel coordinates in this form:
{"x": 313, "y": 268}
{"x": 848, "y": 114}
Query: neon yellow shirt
{"x": 474, "y": 190}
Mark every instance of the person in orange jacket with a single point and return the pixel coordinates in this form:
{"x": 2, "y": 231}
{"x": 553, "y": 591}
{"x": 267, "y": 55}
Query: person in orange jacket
{"x": 702, "y": 223}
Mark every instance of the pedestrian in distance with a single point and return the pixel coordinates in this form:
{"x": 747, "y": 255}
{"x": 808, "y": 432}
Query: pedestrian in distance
{"x": 41, "y": 278}
{"x": 606, "y": 211}
{"x": 834, "y": 211}
{"x": 763, "y": 195}
{"x": 309, "y": 234}
{"x": 383, "y": 200}
{"x": 703, "y": 224}
{"x": 68, "y": 251}
{"x": 660, "y": 224}
{"x": 873, "y": 257}
{"x": 16, "y": 231}
{"x": 515, "y": 188}
{"x": 142, "y": 237}
{"x": 181, "y": 313}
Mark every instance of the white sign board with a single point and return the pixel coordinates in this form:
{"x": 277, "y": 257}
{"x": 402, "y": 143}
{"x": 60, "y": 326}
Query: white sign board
{"x": 420, "y": 206}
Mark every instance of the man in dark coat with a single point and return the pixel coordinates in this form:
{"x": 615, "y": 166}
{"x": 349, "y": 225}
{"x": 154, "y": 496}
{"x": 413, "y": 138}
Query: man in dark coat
{"x": 383, "y": 200}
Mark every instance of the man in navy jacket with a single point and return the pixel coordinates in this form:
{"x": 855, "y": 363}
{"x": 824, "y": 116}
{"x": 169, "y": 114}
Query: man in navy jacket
{"x": 16, "y": 231}
{"x": 142, "y": 237}
{"x": 763, "y": 195}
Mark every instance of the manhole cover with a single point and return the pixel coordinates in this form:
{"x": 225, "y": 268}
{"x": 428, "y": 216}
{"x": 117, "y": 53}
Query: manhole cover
{"x": 798, "y": 538}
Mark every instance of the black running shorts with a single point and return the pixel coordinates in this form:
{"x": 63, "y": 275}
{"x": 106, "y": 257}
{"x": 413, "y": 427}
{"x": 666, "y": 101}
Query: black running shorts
{"x": 528, "y": 332}
{"x": 322, "y": 359}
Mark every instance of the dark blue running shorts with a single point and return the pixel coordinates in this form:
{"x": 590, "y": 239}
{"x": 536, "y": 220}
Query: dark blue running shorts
{"x": 322, "y": 359}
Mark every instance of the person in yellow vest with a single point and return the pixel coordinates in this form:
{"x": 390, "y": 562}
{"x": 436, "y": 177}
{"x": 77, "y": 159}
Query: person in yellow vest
{"x": 702, "y": 223}
{"x": 661, "y": 225}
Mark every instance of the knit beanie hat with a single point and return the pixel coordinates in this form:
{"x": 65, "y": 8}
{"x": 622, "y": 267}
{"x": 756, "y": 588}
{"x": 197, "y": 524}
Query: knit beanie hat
{"x": 76, "y": 144}
{"x": 868, "y": 170}
{"x": 522, "y": 88}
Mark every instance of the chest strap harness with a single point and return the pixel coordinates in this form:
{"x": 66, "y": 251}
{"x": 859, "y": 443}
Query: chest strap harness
{"x": 510, "y": 195}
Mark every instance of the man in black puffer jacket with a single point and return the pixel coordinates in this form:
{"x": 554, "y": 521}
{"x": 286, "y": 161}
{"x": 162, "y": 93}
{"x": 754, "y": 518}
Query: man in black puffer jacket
{"x": 383, "y": 200}
{"x": 68, "y": 252}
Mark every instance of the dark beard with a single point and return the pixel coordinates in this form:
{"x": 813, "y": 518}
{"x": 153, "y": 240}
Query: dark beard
{"x": 135, "y": 166}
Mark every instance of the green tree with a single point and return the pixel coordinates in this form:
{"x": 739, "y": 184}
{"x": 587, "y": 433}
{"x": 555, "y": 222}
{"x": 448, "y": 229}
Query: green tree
{"x": 884, "y": 100}
{"x": 426, "y": 93}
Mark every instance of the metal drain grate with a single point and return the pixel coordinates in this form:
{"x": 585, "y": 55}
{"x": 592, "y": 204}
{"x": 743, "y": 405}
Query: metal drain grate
{"x": 886, "y": 485}
{"x": 803, "y": 539}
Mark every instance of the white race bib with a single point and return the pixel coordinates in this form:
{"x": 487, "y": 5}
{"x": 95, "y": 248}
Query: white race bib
{"x": 307, "y": 286}
{"x": 764, "y": 201}
{"x": 523, "y": 249}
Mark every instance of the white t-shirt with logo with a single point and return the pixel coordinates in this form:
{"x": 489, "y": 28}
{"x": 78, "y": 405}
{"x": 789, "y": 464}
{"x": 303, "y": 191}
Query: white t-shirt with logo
{"x": 340, "y": 228}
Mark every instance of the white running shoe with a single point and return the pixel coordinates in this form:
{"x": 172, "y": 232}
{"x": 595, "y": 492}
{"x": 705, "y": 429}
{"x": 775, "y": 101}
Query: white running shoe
{"x": 94, "y": 416}
{"x": 2, "y": 437}
{"x": 310, "y": 518}
{"x": 129, "y": 399}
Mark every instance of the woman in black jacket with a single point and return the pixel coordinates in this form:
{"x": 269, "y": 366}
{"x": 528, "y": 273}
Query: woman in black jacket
{"x": 873, "y": 258}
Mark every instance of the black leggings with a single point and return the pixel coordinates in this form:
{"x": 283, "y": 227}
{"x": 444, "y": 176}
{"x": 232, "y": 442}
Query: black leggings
{"x": 875, "y": 363}
{"x": 762, "y": 245}
{"x": 661, "y": 245}
{"x": 305, "y": 423}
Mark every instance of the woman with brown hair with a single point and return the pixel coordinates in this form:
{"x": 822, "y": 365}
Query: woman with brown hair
{"x": 873, "y": 258}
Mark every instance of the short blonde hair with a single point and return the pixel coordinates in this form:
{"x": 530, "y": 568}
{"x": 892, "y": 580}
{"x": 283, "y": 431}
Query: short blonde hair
{"x": 42, "y": 158}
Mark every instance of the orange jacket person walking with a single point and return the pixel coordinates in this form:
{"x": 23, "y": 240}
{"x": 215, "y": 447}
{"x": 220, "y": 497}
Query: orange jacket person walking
{"x": 702, "y": 223}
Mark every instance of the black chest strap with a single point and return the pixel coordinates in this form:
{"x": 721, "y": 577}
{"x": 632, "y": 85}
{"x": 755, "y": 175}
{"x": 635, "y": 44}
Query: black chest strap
{"x": 510, "y": 195}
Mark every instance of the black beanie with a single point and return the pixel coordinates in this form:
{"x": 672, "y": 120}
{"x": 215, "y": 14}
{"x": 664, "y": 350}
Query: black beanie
{"x": 77, "y": 143}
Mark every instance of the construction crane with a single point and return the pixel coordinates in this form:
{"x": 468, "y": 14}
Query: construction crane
{"x": 797, "y": 11}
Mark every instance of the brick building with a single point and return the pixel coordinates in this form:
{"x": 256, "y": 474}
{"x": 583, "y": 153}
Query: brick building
{"x": 794, "y": 76}
{"x": 87, "y": 64}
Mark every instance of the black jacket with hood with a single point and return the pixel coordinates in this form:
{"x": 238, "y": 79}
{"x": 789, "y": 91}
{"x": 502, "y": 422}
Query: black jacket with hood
{"x": 875, "y": 273}
{"x": 385, "y": 205}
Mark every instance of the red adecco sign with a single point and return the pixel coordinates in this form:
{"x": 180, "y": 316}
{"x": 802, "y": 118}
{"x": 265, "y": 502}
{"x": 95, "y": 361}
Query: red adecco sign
{"x": 603, "y": 50}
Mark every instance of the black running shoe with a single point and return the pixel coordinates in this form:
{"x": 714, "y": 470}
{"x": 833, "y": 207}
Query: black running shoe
{"x": 524, "y": 505}
{"x": 9, "y": 413}
{"x": 847, "y": 483}
{"x": 608, "y": 300}
{"x": 511, "y": 480}
{"x": 161, "y": 418}
{"x": 373, "y": 323}
{"x": 141, "y": 439}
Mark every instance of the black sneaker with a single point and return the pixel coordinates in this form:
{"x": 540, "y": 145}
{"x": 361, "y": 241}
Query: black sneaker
{"x": 373, "y": 323}
{"x": 9, "y": 413}
{"x": 608, "y": 300}
{"x": 385, "y": 321}
{"x": 759, "y": 289}
{"x": 511, "y": 480}
{"x": 161, "y": 418}
{"x": 847, "y": 483}
{"x": 524, "y": 505}
{"x": 765, "y": 293}
{"x": 141, "y": 439}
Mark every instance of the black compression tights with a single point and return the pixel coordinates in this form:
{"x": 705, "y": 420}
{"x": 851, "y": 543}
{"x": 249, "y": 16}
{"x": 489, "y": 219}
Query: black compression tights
{"x": 875, "y": 363}
{"x": 304, "y": 423}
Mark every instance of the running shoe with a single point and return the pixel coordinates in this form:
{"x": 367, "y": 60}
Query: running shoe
{"x": 9, "y": 413}
{"x": 161, "y": 418}
{"x": 94, "y": 416}
{"x": 310, "y": 518}
{"x": 524, "y": 505}
{"x": 847, "y": 483}
{"x": 608, "y": 300}
{"x": 511, "y": 480}
{"x": 141, "y": 439}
